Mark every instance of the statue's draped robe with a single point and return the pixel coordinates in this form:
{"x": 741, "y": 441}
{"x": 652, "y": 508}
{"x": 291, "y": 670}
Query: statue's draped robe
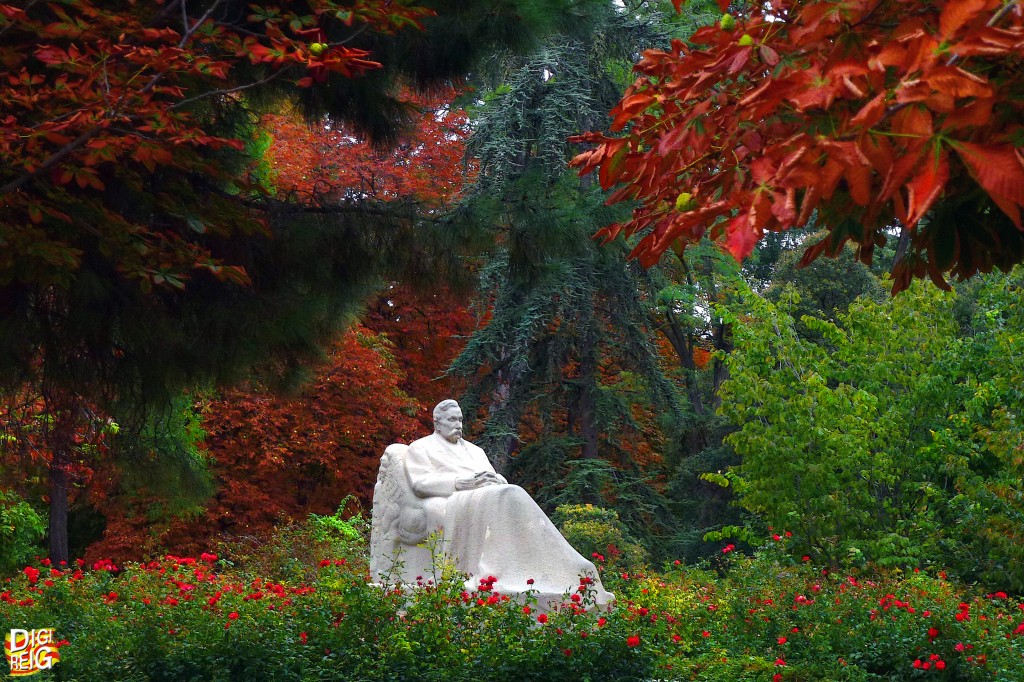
{"x": 495, "y": 530}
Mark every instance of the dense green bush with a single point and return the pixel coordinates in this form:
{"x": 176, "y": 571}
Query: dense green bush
{"x": 292, "y": 553}
{"x": 21, "y": 532}
{"x": 598, "y": 533}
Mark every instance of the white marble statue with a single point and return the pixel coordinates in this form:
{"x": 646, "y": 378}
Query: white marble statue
{"x": 488, "y": 528}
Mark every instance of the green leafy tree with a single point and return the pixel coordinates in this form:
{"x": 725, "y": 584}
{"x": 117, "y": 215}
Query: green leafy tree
{"x": 981, "y": 444}
{"x": 829, "y": 433}
{"x": 826, "y": 287}
{"x": 895, "y": 438}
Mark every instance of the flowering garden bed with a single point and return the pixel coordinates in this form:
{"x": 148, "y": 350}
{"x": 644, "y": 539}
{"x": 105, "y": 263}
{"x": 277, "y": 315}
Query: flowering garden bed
{"x": 769, "y": 618}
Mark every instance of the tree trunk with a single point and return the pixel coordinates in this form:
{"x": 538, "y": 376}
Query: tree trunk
{"x": 500, "y": 413}
{"x": 723, "y": 342}
{"x": 61, "y": 441}
{"x": 588, "y": 401}
{"x": 589, "y": 429}
{"x": 684, "y": 345}
{"x": 901, "y": 246}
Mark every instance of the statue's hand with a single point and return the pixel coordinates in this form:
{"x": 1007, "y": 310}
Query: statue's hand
{"x": 478, "y": 480}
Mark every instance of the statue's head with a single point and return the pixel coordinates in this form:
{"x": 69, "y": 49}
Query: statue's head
{"x": 448, "y": 420}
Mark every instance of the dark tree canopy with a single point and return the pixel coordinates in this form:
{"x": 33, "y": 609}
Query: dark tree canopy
{"x": 140, "y": 251}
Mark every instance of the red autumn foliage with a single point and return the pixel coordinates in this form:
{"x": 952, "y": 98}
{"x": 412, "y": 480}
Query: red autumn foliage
{"x": 98, "y": 97}
{"x": 428, "y": 329}
{"x": 876, "y": 114}
{"x": 25, "y": 428}
{"x": 326, "y": 163}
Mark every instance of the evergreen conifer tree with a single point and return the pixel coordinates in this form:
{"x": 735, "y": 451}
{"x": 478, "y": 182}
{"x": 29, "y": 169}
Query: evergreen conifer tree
{"x": 563, "y": 310}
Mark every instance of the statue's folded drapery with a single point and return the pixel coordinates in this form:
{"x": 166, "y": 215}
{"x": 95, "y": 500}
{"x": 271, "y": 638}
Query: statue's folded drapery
{"x": 499, "y": 530}
{"x": 495, "y": 529}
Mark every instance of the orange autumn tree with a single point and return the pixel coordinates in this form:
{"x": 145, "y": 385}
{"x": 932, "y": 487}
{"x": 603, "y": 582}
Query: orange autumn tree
{"x": 868, "y": 116}
{"x": 327, "y": 162}
{"x": 278, "y": 458}
{"x": 275, "y": 458}
{"x": 428, "y": 328}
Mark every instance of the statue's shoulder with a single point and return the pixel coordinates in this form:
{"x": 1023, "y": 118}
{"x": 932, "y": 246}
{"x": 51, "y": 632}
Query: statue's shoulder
{"x": 423, "y": 445}
{"x": 473, "y": 447}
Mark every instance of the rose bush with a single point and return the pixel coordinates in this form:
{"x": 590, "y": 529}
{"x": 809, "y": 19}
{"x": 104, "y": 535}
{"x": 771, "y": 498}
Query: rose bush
{"x": 770, "y": 616}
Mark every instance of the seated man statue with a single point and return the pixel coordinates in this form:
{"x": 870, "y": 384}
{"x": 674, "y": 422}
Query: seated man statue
{"x": 487, "y": 527}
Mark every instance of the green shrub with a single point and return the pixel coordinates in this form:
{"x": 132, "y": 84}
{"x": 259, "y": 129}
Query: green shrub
{"x": 598, "y": 533}
{"x": 21, "y": 532}
{"x": 294, "y": 550}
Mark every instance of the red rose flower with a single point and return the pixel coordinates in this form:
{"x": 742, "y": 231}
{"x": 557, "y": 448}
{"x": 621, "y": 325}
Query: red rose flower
{"x": 32, "y": 574}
